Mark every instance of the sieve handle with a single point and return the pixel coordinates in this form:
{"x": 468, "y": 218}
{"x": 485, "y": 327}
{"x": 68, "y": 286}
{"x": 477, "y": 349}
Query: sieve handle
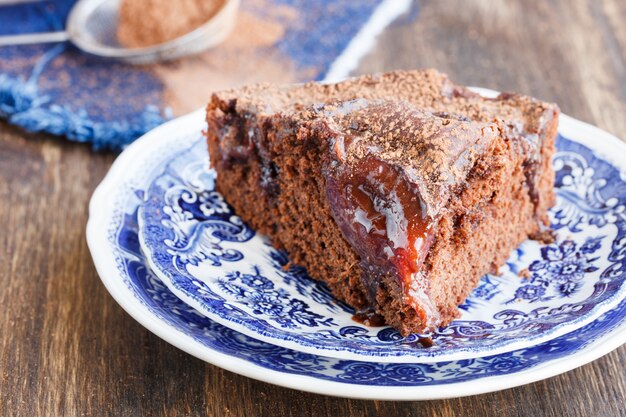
{"x": 15, "y": 2}
{"x": 31, "y": 38}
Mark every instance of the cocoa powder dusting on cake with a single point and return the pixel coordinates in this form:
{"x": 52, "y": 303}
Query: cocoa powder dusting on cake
{"x": 150, "y": 22}
{"x": 438, "y": 162}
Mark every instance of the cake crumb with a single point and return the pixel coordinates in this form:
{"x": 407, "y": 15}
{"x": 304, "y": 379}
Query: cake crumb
{"x": 524, "y": 273}
{"x": 545, "y": 236}
{"x": 426, "y": 341}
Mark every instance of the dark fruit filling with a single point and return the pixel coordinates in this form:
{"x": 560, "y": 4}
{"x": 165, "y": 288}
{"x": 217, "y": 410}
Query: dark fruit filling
{"x": 383, "y": 217}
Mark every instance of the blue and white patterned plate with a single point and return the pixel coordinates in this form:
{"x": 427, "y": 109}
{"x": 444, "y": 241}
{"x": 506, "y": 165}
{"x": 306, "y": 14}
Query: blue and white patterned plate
{"x": 210, "y": 259}
{"x": 113, "y": 241}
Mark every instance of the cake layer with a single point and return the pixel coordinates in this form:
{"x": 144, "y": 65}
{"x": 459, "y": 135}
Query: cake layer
{"x": 398, "y": 190}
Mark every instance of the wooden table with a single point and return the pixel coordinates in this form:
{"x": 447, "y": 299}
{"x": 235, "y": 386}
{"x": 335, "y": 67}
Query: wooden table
{"x": 66, "y": 348}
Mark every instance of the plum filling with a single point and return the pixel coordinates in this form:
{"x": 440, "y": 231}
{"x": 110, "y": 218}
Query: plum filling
{"x": 383, "y": 217}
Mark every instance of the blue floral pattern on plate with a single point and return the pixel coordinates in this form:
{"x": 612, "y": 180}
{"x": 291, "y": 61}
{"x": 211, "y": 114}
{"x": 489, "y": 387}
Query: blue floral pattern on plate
{"x": 157, "y": 298}
{"x": 207, "y": 256}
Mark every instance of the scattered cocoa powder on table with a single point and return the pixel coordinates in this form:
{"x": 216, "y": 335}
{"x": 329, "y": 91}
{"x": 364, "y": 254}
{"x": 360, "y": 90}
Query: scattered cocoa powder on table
{"x": 248, "y": 56}
{"x": 150, "y": 22}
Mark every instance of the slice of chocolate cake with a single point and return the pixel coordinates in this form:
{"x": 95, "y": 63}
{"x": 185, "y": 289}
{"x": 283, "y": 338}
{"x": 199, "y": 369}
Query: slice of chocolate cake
{"x": 398, "y": 190}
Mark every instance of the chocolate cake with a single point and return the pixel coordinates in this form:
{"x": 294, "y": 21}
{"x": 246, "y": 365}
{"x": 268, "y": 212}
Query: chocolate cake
{"x": 398, "y": 190}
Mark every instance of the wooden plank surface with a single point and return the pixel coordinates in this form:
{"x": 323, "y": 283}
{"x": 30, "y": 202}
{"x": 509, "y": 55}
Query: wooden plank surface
{"x": 67, "y": 349}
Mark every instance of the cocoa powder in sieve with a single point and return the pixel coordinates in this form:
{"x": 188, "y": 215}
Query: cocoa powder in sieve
{"x": 150, "y": 22}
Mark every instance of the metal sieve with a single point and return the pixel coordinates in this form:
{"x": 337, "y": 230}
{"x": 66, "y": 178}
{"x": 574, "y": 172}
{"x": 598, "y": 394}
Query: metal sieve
{"x": 92, "y": 26}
